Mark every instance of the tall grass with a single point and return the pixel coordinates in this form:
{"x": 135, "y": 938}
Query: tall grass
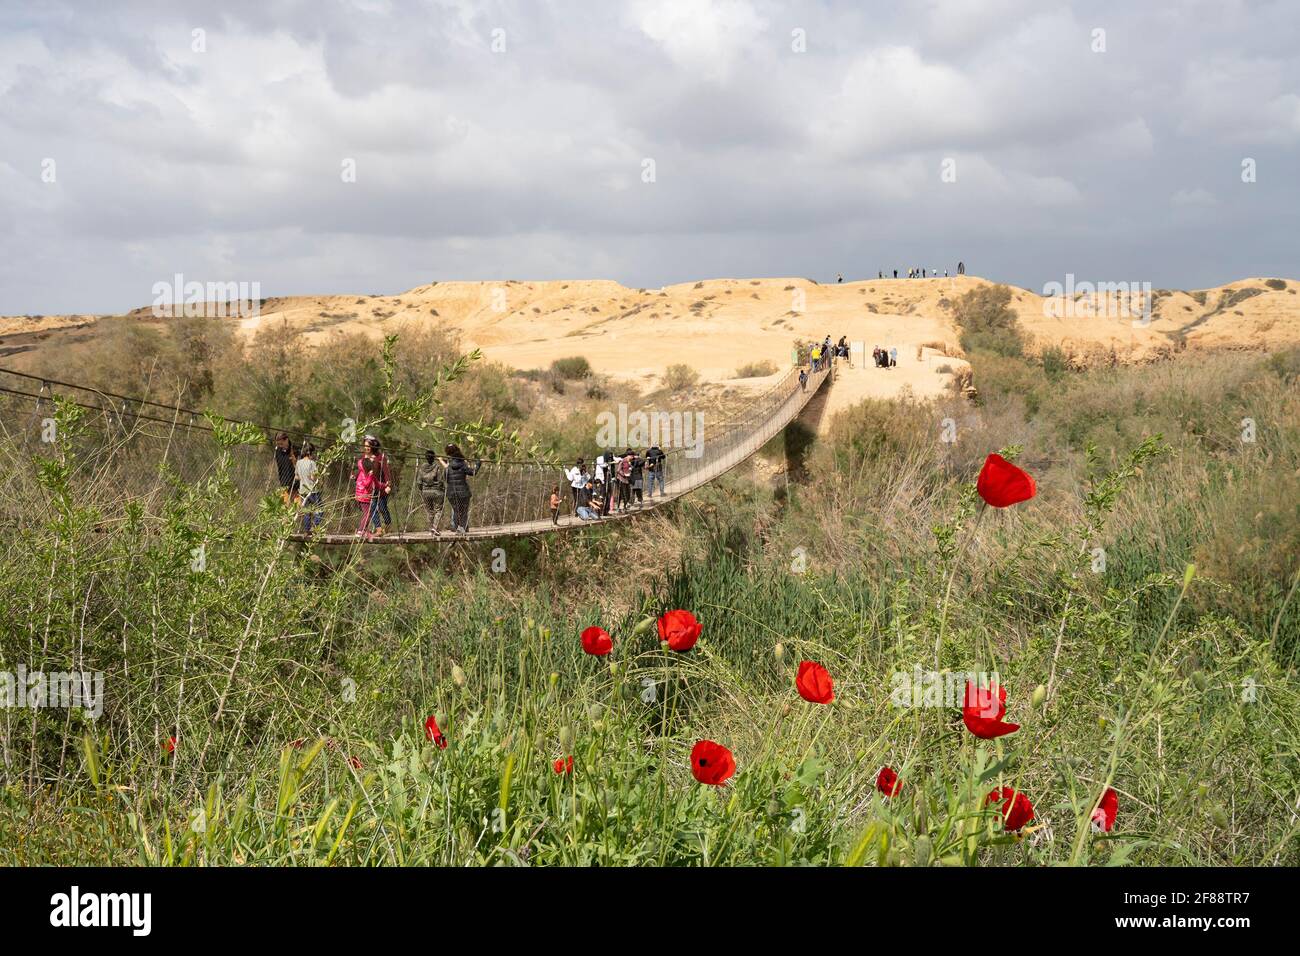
{"x": 1181, "y": 694}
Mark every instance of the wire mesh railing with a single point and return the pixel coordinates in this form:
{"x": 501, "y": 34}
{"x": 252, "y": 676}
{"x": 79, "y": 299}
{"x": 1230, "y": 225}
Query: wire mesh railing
{"x": 143, "y": 447}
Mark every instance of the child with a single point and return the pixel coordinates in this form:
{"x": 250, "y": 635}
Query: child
{"x": 555, "y": 505}
{"x": 307, "y": 473}
{"x": 367, "y": 493}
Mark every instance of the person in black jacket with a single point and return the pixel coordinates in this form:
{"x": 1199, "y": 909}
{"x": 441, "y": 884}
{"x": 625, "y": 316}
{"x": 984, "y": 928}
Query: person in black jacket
{"x": 286, "y": 463}
{"x": 459, "y": 472}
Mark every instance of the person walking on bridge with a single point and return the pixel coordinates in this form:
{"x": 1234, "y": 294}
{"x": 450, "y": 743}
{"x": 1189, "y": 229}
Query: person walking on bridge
{"x": 577, "y": 476}
{"x": 655, "y": 459}
{"x": 431, "y": 482}
{"x": 459, "y": 471}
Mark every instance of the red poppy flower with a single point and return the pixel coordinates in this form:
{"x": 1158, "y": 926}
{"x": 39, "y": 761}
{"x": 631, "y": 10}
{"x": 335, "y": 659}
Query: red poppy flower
{"x": 596, "y": 640}
{"x": 982, "y": 716}
{"x": 814, "y": 683}
{"x": 563, "y": 765}
{"x": 356, "y": 762}
{"x": 1016, "y": 808}
{"x": 712, "y": 763}
{"x": 169, "y": 745}
{"x": 1002, "y": 484}
{"x": 887, "y": 782}
{"x": 431, "y": 732}
{"x": 1103, "y": 818}
{"x": 680, "y": 630}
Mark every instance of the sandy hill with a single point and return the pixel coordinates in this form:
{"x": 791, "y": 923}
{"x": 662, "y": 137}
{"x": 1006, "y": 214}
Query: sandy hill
{"x": 717, "y": 326}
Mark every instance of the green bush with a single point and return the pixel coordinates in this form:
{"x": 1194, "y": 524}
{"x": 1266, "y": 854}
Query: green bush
{"x": 988, "y": 322}
{"x": 575, "y": 366}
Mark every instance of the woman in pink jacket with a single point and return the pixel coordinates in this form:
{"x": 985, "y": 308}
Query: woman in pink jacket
{"x": 367, "y": 493}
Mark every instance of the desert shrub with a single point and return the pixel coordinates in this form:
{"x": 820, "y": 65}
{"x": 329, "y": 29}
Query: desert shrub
{"x": 756, "y": 369}
{"x": 1277, "y": 285}
{"x": 680, "y": 376}
{"x": 1054, "y": 361}
{"x": 987, "y": 321}
{"x": 575, "y": 366}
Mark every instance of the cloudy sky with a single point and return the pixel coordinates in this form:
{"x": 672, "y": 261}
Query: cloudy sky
{"x": 514, "y": 140}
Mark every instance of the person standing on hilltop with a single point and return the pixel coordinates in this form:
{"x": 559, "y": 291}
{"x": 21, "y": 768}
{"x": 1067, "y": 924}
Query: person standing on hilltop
{"x": 893, "y": 356}
{"x": 839, "y": 277}
{"x": 961, "y": 268}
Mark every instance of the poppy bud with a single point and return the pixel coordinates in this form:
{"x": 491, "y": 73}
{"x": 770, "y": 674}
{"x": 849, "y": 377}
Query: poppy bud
{"x": 643, "y": 625}
{"x": 594, "y": 711}
{"x": 1101, "y": 722}
{"x": 613, "y": 668}
{"x": 1202, "y": 789}
{"x": 457, "y": 675}
{"x": 1201, "y": 681}
{"x": 566, "y": 739}
{"x": 1039, "y": 695}
{"x": 779, "y": 652}
{"x": 1189, "y": 574}
{"x": 921, "y": 851}
{"x": 530, "y": 624}
{"x": 663, "y": 645}
{"x": 554, "y": 678}
{"x": 1219, "y": 816}
{"x": 545, "y": 633}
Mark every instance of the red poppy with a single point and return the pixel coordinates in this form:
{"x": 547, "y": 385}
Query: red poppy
{"x": 563, "y": 765}
{"x": 712, "y": 763}
{"x": 680, "y": 630}
{"x": 170, "y": 745}
{"x": 1103, "y": 818}
{"x": 356, "y": 762}
{"x": 814, "y": 683}
{"x": 1002, "y": 484}
{"x": 431, "y": 732}
{"x": 887, "y": 782}
{"x": 596, "y": 640}
{"x": 982, "y": 716}
{"x": 1016, "y": 808}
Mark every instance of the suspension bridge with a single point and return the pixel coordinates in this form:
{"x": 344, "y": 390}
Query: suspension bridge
{"x": 511, "y": 497}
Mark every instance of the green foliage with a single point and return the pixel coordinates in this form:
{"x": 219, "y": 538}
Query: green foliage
{"x": 680, "y": 377}
{"x": 987, "y": 321}
{"x": 575, "y": 366}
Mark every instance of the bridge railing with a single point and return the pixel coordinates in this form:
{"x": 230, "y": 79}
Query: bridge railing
{"x": 141, "y": 449}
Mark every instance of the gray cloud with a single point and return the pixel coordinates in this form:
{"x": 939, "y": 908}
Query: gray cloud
{"x": 225, "y": 164}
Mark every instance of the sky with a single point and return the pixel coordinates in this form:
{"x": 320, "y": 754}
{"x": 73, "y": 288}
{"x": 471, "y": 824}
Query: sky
{"x": 370, "y": 146}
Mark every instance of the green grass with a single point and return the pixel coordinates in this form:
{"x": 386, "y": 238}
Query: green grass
{"x": 1179, "y": 692}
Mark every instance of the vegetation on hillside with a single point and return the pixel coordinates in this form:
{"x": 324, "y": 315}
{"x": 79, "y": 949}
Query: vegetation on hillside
{"x": 270, "y": 706}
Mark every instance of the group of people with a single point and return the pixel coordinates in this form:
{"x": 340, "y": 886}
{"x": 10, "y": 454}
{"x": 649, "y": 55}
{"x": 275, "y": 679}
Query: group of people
{"x": 884, "y": 358}
{"x": 440, "y": 481}
{"x": 820, "y": 354}
{"x": 921, "y": 272}
{"x": 614, "y": 483}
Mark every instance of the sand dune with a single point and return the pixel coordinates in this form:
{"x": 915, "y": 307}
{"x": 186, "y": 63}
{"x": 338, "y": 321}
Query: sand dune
{"x": 719, "y": 325}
